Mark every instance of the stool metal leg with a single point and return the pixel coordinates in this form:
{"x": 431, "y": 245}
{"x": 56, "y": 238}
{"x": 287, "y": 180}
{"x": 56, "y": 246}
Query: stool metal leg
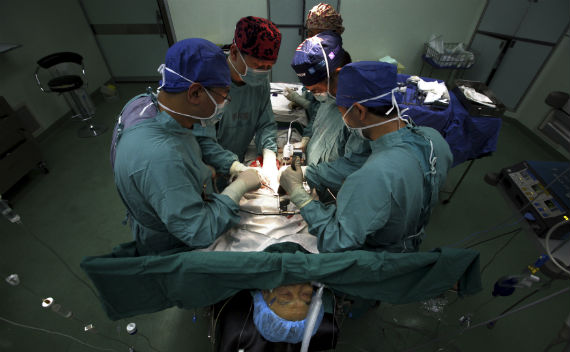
{"x": 90, "y": 129}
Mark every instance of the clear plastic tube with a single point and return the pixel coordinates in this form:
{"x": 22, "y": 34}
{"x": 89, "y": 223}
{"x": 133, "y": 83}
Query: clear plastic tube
{"x": 312, "y": 315}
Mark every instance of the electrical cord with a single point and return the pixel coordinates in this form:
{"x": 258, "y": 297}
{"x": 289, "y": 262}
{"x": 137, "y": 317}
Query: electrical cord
{"x": 30, "y": 233}
{"x": 500, "y": 250}
{"x": 525, "y": 297}
{"x": 492, "y": 238}
{"x": 54, "y": 333}
{"x": 148, "y": 342}
{"x": 519, "y": 219}
{"x": 500, "y": 226}
{"x": 244, "y": 323}
{"x": 217, "y": 317}
{"x": 74, "y": 317}
{"x": 84, "y": 323}
{"x": 484, "y": 323}
{"x": 547, "y": 246}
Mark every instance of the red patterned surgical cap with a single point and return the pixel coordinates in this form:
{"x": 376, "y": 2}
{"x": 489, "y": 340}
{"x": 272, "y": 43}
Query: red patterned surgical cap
{"x": 258, "y": 37}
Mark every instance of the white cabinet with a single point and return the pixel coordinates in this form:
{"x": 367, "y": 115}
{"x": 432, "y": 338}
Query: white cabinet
{"x": 487, "y": 50}
{"x": 282, "y": 71}
{"x": 518, "y": 68}
{"x": 513, "y": 41}
{"x": 503, "y": 16}
{"x": 545, "y": 21}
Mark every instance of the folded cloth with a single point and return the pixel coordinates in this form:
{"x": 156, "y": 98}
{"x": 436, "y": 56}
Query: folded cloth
{"x": 473, "y": 95}
{"x": 435, "y": 91}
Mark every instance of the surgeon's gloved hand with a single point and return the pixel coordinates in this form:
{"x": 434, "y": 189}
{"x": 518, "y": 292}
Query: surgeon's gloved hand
{"x": 292, "y": 182}
{"x": 302, "y": 144}
{"x": 293, "y": 96}
{"x": 238, "y": 168}
{"x": 269, "y": 168}
{"x": 246, "y": 181}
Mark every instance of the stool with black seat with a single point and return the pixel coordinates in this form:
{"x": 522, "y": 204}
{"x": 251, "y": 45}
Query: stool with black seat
{"x": 64, "y": 68}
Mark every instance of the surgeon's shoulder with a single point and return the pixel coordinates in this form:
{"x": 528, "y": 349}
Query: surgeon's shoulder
{"x": 439, "y": 143}
{"x": 430, "y": 133}
{"x": 384, "y": 164}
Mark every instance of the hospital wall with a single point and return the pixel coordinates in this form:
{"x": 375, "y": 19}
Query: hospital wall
{"x": 214, "y": 20}
{"x": 43, "y": 28}
{"x": 400, "y": 28}
{"x": 555, "y": 76}
{"x": 374, "y": 28}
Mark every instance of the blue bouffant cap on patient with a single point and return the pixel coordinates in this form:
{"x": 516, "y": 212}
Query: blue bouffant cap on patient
{"x": 198, "y": 60}
{"x": 309, "y": 61}
{"x": 367, "y": 79}
{"x": 276, "y": 329}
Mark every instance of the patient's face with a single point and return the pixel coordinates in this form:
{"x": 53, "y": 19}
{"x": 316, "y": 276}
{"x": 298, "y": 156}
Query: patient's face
{"x": 290, "y": 302}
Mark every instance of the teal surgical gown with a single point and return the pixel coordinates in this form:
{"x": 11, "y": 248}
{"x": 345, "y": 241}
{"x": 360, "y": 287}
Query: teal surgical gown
{"x": 166, "y": 187}
{"x": 248, "y": 114}
{"x": 385, "y": 204}
{"x": 332, "y": 174}
{"x": 327, "y": 129}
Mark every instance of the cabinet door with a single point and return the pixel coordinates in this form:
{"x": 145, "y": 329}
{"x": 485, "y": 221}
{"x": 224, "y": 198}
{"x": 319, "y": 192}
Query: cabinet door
{"x": 503, "y": 16}
{"x": 545, "y": 20}
{"x": 517, "y": 71}
{"x": 487, "y": 50}
{"x": 131, "y": 35}
{"x": 288, "y": 16}
{"x": 282, "y": 71}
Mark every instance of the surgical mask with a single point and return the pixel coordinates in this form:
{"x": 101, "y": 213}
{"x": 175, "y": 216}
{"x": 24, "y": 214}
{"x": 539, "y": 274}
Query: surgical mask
{"x": 252, "y": 76}
{"x": 204, "y": 121}
{"x": 321, "y": 97}
{"x": 358, "y": 130}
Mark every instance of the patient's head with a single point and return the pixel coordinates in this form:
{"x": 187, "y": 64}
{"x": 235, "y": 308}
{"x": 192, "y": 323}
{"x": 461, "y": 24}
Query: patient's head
{"x": 290, "y": 302}
{"x": 281, "y": 314}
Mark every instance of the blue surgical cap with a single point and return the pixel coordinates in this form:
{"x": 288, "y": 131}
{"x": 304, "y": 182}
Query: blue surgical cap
{"x": 309, "y": 62}
{"x": 197, "y": 59}
{"x": 367, "y": 79}
{"x": 276, "y": 329}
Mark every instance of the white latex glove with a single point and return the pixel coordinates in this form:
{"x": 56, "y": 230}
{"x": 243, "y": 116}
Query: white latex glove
{"x": 293, "y": 96}
{"x": 269, "y": 169}
{"x": 302, "y": 144}
{"x": 238, "y": 168}
{"x": 247, "y": 181}
{"x": 283, "y": 168}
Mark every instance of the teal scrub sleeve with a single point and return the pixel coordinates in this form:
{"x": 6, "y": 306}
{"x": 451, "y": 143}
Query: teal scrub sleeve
{"x": 360, "y": 210}
{"x": 266, "y": 129}
{"x": 212, "y": 152}
{"x": 332, "y": 174}
{"x": 311, "y": 112}
{"x": 179, "y": 204}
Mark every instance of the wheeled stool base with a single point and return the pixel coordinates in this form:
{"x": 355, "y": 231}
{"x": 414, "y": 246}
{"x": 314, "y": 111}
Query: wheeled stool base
{"x": 91, "y": 130}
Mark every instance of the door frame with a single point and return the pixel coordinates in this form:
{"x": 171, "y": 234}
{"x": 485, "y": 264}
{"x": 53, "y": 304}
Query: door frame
{"x": 164, "y": 27}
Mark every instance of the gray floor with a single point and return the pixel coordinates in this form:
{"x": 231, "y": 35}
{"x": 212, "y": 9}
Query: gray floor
{"x": 76, "y": 210}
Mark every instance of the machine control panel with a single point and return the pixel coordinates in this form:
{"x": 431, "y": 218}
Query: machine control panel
{"x": 536, "y": 193}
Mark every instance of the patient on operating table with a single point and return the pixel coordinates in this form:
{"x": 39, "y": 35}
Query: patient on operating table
{"x": 276, "y": 319}
{"x": 266, "y": 218}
